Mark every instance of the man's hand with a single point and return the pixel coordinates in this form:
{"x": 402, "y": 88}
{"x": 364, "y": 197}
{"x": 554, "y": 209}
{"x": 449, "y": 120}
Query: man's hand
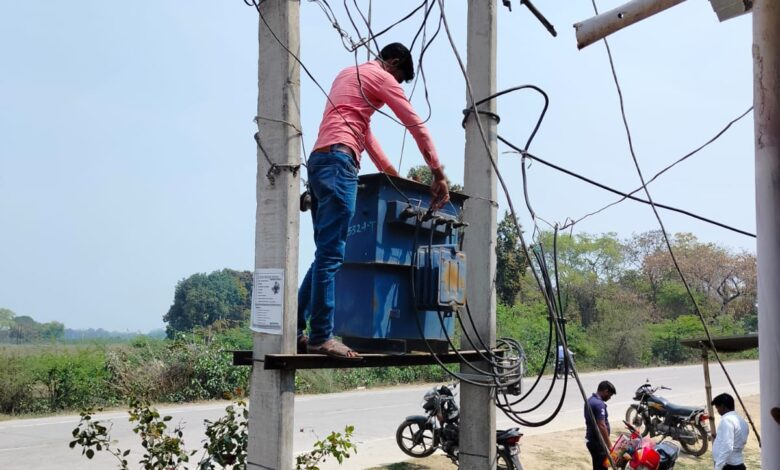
{"x": 439, "y": 189}
{"x": 390, "y": 170}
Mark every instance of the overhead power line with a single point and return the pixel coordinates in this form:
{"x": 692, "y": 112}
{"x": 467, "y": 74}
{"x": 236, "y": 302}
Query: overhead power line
{"x": 666, "y": 236}
{"x": 620, "y": 193}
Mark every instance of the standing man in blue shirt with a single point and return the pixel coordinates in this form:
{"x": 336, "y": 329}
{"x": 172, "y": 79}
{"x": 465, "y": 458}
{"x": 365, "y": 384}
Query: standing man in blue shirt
{"x": 597, "y": 404}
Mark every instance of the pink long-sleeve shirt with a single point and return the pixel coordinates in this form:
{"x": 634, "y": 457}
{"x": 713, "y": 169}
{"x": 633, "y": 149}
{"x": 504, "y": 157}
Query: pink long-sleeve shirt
{"x": 347, "y": 115}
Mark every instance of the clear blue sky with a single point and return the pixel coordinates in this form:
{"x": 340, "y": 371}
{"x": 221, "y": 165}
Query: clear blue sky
{"x": 127, "y": 161}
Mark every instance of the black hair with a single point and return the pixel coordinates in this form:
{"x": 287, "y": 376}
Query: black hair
{"x": 405, "y": 63}
{"x": 607, "y": 386}
{"x": 725, "y": 400}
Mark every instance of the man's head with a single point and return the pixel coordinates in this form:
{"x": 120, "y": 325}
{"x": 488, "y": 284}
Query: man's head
{"x": 397, "y": 60}
{"x": 723, "y": 403}
{"x": 606, "y": 390}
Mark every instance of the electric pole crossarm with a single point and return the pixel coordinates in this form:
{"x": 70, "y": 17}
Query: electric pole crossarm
{"x": 601, "y": 26}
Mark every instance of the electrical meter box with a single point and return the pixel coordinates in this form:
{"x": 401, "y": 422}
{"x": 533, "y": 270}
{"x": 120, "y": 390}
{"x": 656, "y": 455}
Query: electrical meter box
{"x": 401, "y": 279}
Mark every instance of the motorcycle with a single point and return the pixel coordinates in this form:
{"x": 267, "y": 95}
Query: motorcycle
{"x": 419, "y": 436}
{"x": 654, "y": 415}
{"x": 635, "y": 452}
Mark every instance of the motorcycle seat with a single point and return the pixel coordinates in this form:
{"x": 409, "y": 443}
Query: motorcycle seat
{"x": 503, "y": 435}
{"x": 682, "y": 410}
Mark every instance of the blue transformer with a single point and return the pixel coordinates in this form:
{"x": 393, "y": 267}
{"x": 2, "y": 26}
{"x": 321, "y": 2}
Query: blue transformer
{"x": 376, "y": 307}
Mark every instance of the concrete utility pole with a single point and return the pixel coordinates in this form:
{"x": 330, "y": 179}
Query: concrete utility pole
{"x": 766, "y": 100}
{"x": 478, "y": 411}
{"x": 276, "y": 239}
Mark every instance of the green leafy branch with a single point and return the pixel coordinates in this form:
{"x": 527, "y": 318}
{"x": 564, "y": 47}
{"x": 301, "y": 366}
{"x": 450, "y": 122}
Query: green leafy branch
{"x": 336, "y": 445}
{"x": 225, "y": 445}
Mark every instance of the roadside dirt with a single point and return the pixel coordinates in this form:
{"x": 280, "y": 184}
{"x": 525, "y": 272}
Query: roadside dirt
{"x": 566, "y": 450}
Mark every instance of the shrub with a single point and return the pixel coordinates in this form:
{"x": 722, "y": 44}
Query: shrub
{"x": 225, "y": 445}
{"x": 183, "y": 369}
{"x": 16, "y": 384}
{"x": 36, "y": 379}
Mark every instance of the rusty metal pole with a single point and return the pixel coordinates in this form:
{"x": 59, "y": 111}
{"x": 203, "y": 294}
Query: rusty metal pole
{"x": 766, "y": 101}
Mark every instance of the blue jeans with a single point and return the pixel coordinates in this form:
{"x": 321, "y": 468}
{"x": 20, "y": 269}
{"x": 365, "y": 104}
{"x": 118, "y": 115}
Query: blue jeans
{"x": 333, "y": 186}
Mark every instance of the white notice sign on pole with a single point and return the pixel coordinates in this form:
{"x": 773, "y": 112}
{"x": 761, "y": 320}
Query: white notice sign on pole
{"x": 268, "y": 301}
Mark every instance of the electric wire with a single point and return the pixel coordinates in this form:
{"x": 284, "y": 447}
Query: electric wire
{"x": 630, "y": 196}
{"x": 494, "y": 165}
{"x": 482, "y": 133}
{"x": 421, "y": 72}
{"x": 317, "y": 83}
{"x": 259, "y": 118}
{"x": 297, "y": 59}
{"x": 560, "y": 334}
{"x": 666, "y": 237}
{"x": 367, "y": 21}
{"x": 667, "y": 168}
{"x": 325, "y": 6}
{"x": 458, "y": 376}
{"x": 443, "y": 20}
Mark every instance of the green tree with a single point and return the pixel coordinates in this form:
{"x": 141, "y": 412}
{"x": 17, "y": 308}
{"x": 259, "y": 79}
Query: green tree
{"x": 586, "y": 265}
{"x": 511, "y": 263}
{"x": 6, "y": 318}
{"x": 723, "y": 282}
{"x": 6, "y": 323}
{"x": 51, "y": 331}
{"x": 203, "y": 299}
{"x": 422, "y": 174}
{"x": 621, "y": 327}
{"x": 25, "y": 330}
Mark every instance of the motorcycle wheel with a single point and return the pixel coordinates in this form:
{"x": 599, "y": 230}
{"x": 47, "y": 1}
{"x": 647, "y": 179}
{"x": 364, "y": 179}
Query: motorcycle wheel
{"x": 414, "y": 440}
{"x": 635, "y": 418}
{"x": 700, "y": 446}
{"x": 504, "y": 460}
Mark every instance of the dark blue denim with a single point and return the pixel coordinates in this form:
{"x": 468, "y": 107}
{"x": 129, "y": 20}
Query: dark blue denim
{"x": 333, "y": 187}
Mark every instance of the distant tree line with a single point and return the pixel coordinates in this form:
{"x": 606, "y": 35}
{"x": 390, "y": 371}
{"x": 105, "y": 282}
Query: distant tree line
{"x": 23, "y": 329}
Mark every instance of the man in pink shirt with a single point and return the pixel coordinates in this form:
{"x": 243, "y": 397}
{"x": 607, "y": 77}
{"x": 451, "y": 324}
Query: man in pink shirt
{"x": 344, "y": 133}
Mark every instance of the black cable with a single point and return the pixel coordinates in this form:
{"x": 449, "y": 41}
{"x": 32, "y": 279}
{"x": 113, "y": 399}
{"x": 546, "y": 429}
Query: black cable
{"x": 372, "y": 36}
{"x": 669, "y": 167}
{"x": 666, "y": 236}
{"x": 621, "y": 193}
{"x": 421, "y": 72}
{"x": 390, "y": 179}
{"x": 491, "y": 360}
{"x": 454, "y": 375}
{"x": 316, "y": 82}
{"x": 442, "y": 21}
{"x": 513, "y": 414}
{"x": 494, "y": 165}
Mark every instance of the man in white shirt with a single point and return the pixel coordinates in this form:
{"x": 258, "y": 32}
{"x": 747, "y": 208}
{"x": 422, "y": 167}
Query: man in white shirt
{"x": 731, "y": 436}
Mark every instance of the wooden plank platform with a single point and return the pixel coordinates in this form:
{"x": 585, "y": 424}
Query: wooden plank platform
{"x": 319, "y": 361}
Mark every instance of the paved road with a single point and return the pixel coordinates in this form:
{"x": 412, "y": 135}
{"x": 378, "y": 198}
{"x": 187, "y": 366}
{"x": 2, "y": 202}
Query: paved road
{"x": 41, "y": 443}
